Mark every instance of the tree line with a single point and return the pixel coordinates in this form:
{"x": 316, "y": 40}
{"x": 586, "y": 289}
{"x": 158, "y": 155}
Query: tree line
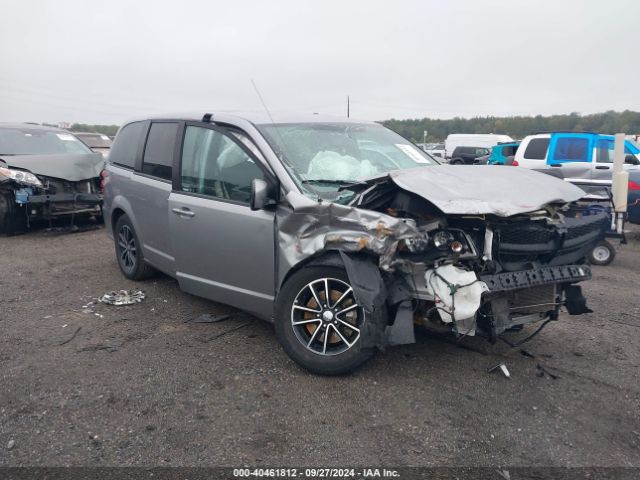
{"x": 517, "y": 127}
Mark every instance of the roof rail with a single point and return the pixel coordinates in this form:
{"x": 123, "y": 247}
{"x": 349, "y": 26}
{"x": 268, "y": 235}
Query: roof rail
{"x": 566, "y": 131}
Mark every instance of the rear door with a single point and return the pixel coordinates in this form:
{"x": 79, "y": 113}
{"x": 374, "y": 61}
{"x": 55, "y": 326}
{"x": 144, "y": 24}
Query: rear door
{"x": 224, "y": 251}
{"x": 572, "y": 154}
{"x": 149, "y": 195}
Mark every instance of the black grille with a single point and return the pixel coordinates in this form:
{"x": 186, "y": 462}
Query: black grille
{"x": 517, "y": 245}
{"x": 583, "y": 229}
{"x": 526, "y": 234}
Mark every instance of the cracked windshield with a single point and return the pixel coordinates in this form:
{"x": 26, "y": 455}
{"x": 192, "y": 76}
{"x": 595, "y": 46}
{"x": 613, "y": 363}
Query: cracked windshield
{"x": 323, "y": 157}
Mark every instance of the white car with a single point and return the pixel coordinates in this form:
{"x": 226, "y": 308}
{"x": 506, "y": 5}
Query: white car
{"x": 436, "y": 150}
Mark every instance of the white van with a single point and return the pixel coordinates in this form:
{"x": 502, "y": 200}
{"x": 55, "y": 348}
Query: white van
{"x": 486, "y": 140}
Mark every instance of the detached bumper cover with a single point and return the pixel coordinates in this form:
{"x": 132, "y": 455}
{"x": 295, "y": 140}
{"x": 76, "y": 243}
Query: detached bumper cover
{"x": 503, "y": 282}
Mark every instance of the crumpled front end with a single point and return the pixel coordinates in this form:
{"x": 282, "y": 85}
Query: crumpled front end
{"x": 49, "y": 186}
{"x": 53, "y": 197}
{"x": 410, "y": 263}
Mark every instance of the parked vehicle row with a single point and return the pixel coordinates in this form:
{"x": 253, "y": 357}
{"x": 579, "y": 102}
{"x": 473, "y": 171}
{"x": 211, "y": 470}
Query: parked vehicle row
{"x": 584, "y": 159}
{"x": 342, "y": 233}
{"x": 484, "y": 141}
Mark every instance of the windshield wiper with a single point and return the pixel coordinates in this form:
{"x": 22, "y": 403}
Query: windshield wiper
{"x": 320, "y": 181}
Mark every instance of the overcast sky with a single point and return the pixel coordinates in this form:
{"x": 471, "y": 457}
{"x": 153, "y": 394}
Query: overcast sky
{"x": 103, "y": 62}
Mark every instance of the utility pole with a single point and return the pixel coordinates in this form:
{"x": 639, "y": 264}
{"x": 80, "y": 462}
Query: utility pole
{"x": 424, "y": 138}
{"x": 348, "y": 106}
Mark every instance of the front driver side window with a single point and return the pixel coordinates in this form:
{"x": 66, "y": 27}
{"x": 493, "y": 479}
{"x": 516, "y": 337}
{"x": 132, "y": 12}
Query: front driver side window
{"x": 213, "y": 164}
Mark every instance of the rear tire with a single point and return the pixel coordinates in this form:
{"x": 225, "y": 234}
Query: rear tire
{"x": 456, "y": 161}
{"x": 12, "y": 219}
{"x": 602, "y": 254}
{"x": 317, "y": 336}
{"x": 129, "y": 251}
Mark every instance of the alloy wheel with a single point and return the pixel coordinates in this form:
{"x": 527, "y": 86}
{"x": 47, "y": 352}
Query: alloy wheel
{"x": 326, "y": 317}
{"x": 127, "y": 248}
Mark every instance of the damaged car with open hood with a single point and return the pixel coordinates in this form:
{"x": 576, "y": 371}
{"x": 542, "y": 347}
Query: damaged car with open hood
{"x": 343, "y": 233}
{"x": 46, "y": 173}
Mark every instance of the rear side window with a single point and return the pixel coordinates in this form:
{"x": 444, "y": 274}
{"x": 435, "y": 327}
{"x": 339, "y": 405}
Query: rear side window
{"x": 509, "y": 151}
{"x": 572, "y": 149}
{"x": 125, "y": 148}
{"x": 158, "y": 153}
{"x": 537, "y": 149}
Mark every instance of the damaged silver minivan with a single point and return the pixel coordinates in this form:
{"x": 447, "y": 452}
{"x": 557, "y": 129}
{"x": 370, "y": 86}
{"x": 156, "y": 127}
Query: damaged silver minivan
{"x": 342, "y": 233}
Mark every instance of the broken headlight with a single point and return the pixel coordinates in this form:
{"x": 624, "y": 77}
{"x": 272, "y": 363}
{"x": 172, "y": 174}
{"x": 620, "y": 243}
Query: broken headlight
{"x": 416, "y": 244}
{"x": 442, "y": 239}
{"x": 20, "y": 176}
{"x": 454, "y": 241}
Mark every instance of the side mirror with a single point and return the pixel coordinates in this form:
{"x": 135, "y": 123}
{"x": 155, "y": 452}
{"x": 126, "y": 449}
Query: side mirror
{"x": 259, "y": 194}
{"x": 631, "y": 159}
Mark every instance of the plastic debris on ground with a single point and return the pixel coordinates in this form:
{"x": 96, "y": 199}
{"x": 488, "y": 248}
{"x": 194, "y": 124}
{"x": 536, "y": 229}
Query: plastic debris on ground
{"x": 122, "y": 297}
{"x": 500, "y": 367}
{"x": 90, "y": 306}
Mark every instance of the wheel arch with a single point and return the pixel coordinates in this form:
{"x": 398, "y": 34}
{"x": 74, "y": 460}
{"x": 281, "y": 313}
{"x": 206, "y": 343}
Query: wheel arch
{"x": 119, "y": 207}
{"x": 329, "y": 258}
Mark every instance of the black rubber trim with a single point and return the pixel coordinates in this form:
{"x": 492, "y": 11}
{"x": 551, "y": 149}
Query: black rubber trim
{"x": 90, "y": 198}
{"x": 502, "y": 282}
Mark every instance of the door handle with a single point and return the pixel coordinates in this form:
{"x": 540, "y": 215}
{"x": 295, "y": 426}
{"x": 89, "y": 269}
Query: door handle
{"x": 555, "y": 165}
{"x": 183, "y": 212}
{"x": 602, "y": 167}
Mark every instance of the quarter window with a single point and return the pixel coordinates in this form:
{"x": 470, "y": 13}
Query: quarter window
{"x": 158, "y": 153}
{"x": 125, "y": 147}
{"x": 537, "y": 149}
{"x": 213, "y": 164}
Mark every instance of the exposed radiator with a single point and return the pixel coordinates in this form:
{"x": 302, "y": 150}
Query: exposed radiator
{"x": 535, "y": 299}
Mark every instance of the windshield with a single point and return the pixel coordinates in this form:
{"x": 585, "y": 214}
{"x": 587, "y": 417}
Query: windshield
{"x": 321, "y": 157}
{"x": 29, "y": 141}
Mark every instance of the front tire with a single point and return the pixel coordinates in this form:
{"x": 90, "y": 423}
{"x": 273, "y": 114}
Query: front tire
{"x": 322, "y": 337}
{"x": 129, "y": 251}
{"x": 12, "y": 220}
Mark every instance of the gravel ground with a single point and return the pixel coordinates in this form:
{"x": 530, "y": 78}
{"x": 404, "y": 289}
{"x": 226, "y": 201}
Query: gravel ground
{"x": 139, "y": 386}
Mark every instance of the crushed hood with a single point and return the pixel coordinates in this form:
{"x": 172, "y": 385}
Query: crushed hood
{"x": 68, "y": 167}
{"x": 481, "y": 190}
